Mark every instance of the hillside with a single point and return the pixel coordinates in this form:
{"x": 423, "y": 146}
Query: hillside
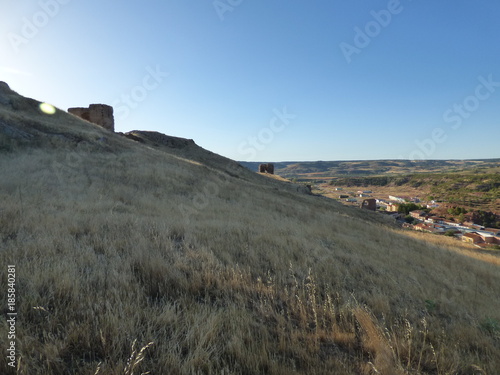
{"x": 144, "y": 252}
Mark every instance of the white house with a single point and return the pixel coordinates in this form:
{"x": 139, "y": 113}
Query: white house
{"x": 398, "y": 199}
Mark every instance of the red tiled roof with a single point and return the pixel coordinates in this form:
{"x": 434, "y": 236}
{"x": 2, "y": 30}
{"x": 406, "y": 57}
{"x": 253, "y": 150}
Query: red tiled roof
{"x": 472, "y": 235}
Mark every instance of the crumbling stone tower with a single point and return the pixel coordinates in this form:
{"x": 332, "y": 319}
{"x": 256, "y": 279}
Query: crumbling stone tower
{"x": 369, "y": 204}
{"x": 266, "y": 168}
{"x": 100, "y": 114}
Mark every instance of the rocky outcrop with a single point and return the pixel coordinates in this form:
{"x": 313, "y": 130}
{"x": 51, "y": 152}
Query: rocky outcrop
{"x": 99, "y": 114}
{"x": 304, "y": 189}
{"x": 4, "y": 90}
{"x": 159, "y": 139}
{"x": 4, "y": 87}
{"x": 14, "y": 132}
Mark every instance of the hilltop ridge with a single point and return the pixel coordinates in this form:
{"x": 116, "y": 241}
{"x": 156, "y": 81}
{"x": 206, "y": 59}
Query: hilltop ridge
{"x": 24, "y": 124}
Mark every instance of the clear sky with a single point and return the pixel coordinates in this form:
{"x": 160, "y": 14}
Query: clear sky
{"x": 272, "y": 80}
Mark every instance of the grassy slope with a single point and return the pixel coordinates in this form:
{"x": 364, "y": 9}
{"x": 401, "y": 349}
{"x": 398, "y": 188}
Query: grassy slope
{"x": 220, "y": 268}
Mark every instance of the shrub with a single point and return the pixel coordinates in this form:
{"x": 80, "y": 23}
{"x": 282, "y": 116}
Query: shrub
{"x": 492, "y": 326}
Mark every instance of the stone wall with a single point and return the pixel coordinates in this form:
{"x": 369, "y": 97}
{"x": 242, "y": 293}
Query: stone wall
{"x": 100, "y": 114}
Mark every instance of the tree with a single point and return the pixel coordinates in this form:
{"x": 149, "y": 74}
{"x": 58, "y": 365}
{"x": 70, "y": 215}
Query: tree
{"x": 457, "y": 211}
{"x": 406, "y": 208}
{"x": 409, "y": 219}
{"x": 461, "y": 218}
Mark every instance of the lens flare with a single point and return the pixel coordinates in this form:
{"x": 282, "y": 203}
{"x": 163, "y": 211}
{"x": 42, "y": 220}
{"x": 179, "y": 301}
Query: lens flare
{"x": 47, "y": 108}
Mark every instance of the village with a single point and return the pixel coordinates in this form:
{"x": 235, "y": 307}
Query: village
{"x": 423, "y": 218}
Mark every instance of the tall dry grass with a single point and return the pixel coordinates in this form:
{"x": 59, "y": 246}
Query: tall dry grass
{"x": 133, "y": 259}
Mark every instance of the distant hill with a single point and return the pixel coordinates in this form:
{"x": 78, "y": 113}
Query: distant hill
{"x": 327, "y": 169}
{"x": 143, "y": 252}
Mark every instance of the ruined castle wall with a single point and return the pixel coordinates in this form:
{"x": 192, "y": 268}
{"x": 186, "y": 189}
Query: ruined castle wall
{"x": 99, "y": 114}
{"x": 80, "y": 112}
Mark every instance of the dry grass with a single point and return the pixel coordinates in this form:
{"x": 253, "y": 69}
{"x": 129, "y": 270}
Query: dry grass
{"x": 457, "y": 246}
{"x": 133, "y": 259}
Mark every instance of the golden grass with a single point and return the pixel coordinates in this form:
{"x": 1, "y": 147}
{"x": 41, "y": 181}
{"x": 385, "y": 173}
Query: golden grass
{"x": 275, "y": 177}
{"x": 133, "y": 259}
{"x": 457, "y": 246}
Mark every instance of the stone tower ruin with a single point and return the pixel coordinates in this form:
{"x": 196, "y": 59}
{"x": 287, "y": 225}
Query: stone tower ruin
{"x": 266, "y": 168}
{"x": 100, "y": 114}
{"x": 369, "y": 204}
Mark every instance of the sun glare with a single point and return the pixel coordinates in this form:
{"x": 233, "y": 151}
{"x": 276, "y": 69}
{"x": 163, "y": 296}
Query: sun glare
{"x": 47, "y": 108}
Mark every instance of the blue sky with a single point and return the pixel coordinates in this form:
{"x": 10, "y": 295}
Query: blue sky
{"x": 272, "y": 80}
